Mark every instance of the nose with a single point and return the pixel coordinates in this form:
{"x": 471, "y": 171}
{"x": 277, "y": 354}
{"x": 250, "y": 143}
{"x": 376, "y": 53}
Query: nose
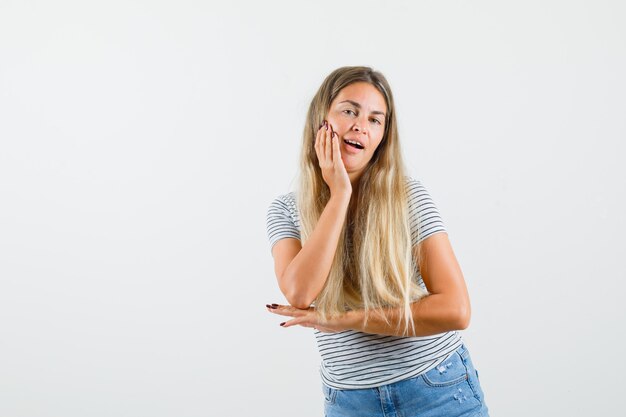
{"x": 357, "y": 127}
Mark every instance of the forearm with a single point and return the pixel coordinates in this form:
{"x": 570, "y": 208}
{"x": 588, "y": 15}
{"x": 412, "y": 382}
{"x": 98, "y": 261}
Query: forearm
{"x": 432, "y": 314}
{"x": 306, "y": 275}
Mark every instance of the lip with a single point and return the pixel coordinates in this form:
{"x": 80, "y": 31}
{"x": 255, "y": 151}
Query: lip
{"x": 350, "y": 149}
{"x": 355, "y": 140}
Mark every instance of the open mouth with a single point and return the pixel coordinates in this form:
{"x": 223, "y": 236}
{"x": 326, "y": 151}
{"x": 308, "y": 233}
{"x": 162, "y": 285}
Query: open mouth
{"x": 353, "y": 144}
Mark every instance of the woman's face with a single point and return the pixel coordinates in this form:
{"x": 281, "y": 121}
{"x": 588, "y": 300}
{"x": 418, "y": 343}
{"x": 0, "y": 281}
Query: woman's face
{"x": 358, "y": 114}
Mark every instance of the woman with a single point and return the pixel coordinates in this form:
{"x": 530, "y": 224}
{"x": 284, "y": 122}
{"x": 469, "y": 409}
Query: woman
{"x": 366, "y": 244}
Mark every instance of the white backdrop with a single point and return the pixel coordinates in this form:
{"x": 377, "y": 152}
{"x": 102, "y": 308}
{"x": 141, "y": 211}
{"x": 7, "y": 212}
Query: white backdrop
{"x": 142, "y": 142}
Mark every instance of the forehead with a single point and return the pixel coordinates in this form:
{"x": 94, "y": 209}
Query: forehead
{"x": 363, "y": 93}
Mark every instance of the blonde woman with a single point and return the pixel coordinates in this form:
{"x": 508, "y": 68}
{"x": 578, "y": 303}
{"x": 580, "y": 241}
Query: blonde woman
{"x": 362, "y": 257}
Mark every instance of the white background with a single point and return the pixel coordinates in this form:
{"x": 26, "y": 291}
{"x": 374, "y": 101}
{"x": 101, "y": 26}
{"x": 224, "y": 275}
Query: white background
{"x": 142, "y": 142}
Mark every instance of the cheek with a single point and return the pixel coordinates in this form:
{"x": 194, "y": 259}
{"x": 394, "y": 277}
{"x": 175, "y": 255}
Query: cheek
{"x": 377, "y": 145}
{"x": 336, "y": 123}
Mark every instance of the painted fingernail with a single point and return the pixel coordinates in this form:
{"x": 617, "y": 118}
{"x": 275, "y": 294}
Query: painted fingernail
{"x": 274, "y": 305}
{"x": 283, "y": 323}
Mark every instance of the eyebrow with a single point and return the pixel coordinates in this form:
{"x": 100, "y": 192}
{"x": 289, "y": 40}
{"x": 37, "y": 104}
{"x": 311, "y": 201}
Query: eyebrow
{"x": 358, "y": 106}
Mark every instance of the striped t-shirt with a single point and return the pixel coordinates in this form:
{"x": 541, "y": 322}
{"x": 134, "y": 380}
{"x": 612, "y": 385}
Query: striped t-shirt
{"x": 353, "y": 359}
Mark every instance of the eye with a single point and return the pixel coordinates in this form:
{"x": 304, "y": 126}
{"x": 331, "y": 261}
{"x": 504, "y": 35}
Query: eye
{"x": 348, "y": 110}
{"x": 376, "y": 120}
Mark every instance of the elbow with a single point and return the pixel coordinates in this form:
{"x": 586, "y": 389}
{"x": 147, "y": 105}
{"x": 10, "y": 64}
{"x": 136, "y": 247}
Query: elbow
{"x": 301, "y": 306}
{"x": 462, "y": 317}
{"x": 298, "y": 301}
{"x": 297, "y": 298}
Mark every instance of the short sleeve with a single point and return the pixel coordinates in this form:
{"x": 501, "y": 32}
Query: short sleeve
{"x": 282, "y": 220}
{"x": 423, "y": 213}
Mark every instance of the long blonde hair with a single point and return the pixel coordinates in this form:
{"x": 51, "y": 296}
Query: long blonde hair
{"x": 373, "y": 265}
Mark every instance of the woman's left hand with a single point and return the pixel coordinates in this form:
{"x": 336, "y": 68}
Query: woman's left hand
{"x": 306, "y": 318}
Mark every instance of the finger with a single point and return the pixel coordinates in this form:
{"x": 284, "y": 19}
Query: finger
{"x": 297, "y": 322}
{"x": 324, "y": 143}
{"x": 281, "y": 312}
{"x": 288, "y": 323}
{"x": 288, "y": 310}
{"x": 319, "y": 144}
{"x": 328, "y": 146}
{"x": 336, "y": 148}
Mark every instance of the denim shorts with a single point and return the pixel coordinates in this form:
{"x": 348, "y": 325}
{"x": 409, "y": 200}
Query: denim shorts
{"x": 450, "y": 389}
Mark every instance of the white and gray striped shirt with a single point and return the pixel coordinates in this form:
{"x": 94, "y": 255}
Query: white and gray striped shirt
{"x": 353, "y": 359}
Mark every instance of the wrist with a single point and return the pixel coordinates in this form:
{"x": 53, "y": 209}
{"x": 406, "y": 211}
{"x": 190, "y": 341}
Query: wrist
{"x": 352, "y": 320}
{"x": 341, "y": 197}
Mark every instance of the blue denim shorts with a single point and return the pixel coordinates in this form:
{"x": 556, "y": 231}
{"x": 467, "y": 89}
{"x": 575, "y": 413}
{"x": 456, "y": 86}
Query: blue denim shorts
{"x": 450, "y": 389}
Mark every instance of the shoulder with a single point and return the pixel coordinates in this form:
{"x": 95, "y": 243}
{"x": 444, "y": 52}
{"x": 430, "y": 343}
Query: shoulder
{"x": 423, "y": 212}
{"x": 416, "y": 192}
{"x": 411, "y": 182}
{"x": 284, "y": 201}
{"x": 284, "y": 205}
{"x": 282, "y": 219}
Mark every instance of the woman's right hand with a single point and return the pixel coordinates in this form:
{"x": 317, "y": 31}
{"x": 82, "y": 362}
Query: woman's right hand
{"x": 329, "y": 157}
